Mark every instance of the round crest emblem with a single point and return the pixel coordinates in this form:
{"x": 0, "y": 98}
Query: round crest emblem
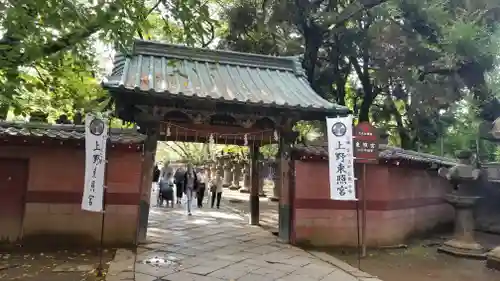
{"x": 339, "y": 129}
{"x": 96, "y": 127}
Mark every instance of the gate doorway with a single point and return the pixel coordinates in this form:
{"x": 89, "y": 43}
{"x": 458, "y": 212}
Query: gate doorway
{"x": 13, "y": 185}
{"x": 176, "y": 93}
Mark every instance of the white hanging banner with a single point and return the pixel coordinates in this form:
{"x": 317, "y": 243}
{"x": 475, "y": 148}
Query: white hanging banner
{"x": 96, "y": 137}
{"x": 341, "y": 158}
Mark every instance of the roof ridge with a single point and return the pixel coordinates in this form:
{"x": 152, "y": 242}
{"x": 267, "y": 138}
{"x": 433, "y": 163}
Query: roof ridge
{"x": 386, "y": 148}
{"x": 175, "y": 51}
{"x": 60, "y": 127}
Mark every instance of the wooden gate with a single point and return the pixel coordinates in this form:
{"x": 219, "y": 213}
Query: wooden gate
{"x": 13, "y": 185}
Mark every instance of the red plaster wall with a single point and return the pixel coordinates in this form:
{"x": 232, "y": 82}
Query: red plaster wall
{"x": 54, "y": 190}
{"x": 401, "y": 201}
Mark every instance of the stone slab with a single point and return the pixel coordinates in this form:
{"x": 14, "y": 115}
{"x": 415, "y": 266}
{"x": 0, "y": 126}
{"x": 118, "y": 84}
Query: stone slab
{"x": 493, "y": 259}
{"x": 73, "y": 268}
{"x": 215, "y": 245}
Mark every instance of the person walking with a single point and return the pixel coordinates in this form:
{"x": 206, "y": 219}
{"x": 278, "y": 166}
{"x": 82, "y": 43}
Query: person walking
{"x": 202, "y": 180}
{"x": 216, "y": 189}
{"x": 166, "y": 192}
{"x": 179, "y": 183}
{"x": 156, "y": 174}
{"x": 190, "y": 186}
{"x": 156, "y": 177}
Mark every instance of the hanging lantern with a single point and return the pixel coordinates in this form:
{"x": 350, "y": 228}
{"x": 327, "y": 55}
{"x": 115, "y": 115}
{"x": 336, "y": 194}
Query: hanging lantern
{"x": 245, "y": 140}
{"x": 276, "y": 136}
{"x": 168, "y": 130}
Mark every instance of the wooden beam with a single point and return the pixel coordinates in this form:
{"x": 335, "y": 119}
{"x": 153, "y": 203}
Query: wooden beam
{"x": 217, "y": 140}
{"x": 130, "y": 97}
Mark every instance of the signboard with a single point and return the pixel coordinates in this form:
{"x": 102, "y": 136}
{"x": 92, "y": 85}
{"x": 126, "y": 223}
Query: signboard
{"x": 341, "y": 158}
{"x": 96, "y": 136}
{"x": 365, "y": 143}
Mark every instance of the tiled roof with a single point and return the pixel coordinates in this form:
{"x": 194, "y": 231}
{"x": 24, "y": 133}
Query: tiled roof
{"x": 386, "y": 152}
{"x": 175, "y": 70}
{"x": 65, "y": 132}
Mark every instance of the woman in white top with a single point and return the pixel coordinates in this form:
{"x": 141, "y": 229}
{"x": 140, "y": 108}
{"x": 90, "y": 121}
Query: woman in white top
{"x": 216, "y": 189}
{"x": 167, "y": 173}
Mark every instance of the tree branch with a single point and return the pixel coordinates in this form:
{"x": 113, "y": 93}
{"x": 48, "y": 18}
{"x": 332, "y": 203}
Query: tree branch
{"x": 212, "y": 35}
{"x": 45, "y": 82}
{"x": 438, "y": 71}
{"x": 66, "y": 41}
{"x": 351, "y": 11}
{"x": 179, "y": 149}
{"x": 153, "y": 8}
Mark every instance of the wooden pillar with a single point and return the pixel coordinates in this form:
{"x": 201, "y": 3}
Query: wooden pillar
{"x": 146, "y": 181}
{"x": 255, "y": 180}
{"x": 286, "y": 179}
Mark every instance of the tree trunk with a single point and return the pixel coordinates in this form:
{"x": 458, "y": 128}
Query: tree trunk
{"x": 405, "y": 139}
{"x": 313, "y": 42}
{"x": 364, "y": 110}
{"x": 473, "y": 76}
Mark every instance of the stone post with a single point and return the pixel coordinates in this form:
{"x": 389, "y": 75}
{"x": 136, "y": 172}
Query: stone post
{"x": 465, "y": 177}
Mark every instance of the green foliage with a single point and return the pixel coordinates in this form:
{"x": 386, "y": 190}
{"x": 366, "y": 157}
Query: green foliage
{"x": 37, "y": 29}
{"x": 269, "y": 151}
{"x": 47, "y": 49}
{"x": 462, "y": 133}
{"x": 196, "y": 153}
{"x": 405, "y": 65}
{"x": 59, "y": 85}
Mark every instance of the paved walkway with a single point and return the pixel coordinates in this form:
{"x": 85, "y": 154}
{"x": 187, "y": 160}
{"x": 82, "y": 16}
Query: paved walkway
{"x": 216, "y": 245}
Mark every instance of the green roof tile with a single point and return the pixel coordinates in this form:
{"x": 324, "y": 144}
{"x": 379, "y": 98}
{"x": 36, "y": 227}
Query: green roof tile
{"x": 176, "y": 70}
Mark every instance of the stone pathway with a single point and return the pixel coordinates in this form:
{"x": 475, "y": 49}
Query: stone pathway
{"x": 216, "y": 245}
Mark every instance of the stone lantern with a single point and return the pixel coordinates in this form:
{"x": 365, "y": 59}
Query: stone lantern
{"x": 261, "y": 180}
{"x": 237, "y": 173}
{"x": 227, "y": 171}
{"x": 219, "y": 164}
{"x": 276, "y": 180}
{"x": 38, "y": 116}
{"x": 246, "y": 177}
{"x": 464, "y": 177}
{"x": 208, "y": 169}
{"x": 213, "y": 170}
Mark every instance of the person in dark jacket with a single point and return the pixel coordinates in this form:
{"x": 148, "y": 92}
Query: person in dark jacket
{"x": 179, "y": 183}
{"x": 156, "y": 173}
{"x": 190, "y": 186}
{"x": 202, "y": 184}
